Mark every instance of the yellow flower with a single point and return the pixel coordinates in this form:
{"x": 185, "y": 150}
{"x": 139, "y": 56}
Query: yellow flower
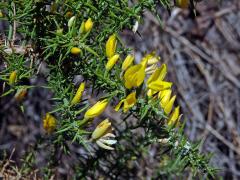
{"x": 96, "y": 109}
{"x": 158, "y": 75}
{"x": 49, "y": 123}
{"x": 164, "y": 97}
{"x": 75, "y": 50}
{"x": 159, "y": 85}
{"x": 111, "y": 46}
{"x": 151, "y": 58}
{"x": 182, "y": 3}
{"x": 101, "y": 129}
{"x": 174, "y": 116}
{"x": 168, "y": 107}
{"x": 21, "y": 94}
{"x": 88, "y": 25}
{"x": 129, "y": 102}
{"x": 127, "y": 62}
{"x": 134, "y": 76}
{"x": 111, "y": 62}
{"x": 12, "y": 77}
{"x": 76, "y": 99}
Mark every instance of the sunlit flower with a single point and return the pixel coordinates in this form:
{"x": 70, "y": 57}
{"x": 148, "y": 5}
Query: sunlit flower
{"x": 88, "y": 25}
{"x": 96, "y": 109}
{"x": 111, "y": 62}
{"x": 111, "y": 46}
{"x": 12, "y": 78}
{"x": 134, "y": 76}
{"x": 76, "y": 99}
{"x": 129, "y": 102}
{"x": 127, "y": 62}
{"x": 174, "y": 117}
{"x": 75, "y": 50}
{"x": 49, "y": 123}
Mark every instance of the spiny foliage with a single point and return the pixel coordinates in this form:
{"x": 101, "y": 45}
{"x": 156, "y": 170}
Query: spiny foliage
{"x": 81, "y": 39}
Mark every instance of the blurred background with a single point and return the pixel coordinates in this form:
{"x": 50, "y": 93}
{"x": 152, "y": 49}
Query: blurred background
{"x": 203, "y": 57}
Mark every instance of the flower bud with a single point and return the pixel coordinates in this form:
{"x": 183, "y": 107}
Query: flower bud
{"x": 111, "y": 46}
{"x": 111, "y": 62}
{"x": 71, "y": 21}
{"x": 101, "y": 129}
{"x": 12, "y": 78}
{"x": 76, "y": 99}
{"x": 96, "y": 109}
{"x": 174, "y": 117}
{"x": 75, "y": 50}
{"x": 127, "y": 62}
{"x": 88, "y": 25}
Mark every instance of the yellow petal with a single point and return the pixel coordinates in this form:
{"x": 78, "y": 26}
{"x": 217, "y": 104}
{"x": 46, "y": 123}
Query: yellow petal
{"x": 49, "y": 123}
{"x": 174, "y": 116}
{"x": 159, "y": 85}
{"x": 159, "y": 74}
{"x": 129, "y": 102}
{"x": 140, "y": 77}
{"x": 163, "y": 72}
{"x": 96, "y": 109}
{"x": 88, "y": 25}
{"x": 101, "y": 129}
{"x": 130, "y": 76}
{"x": 168, "y": 108}
{"x": 118, "y": 106}
{"x": 151, "y": 58}
{"x": 111, "y": 62}
{"x": 111, "y": 46}
{"x": 76, "y": 99}
{"x": 165, "y": 97}
{"x": 12, "y": 77}
{"x": 127, "y": 62}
